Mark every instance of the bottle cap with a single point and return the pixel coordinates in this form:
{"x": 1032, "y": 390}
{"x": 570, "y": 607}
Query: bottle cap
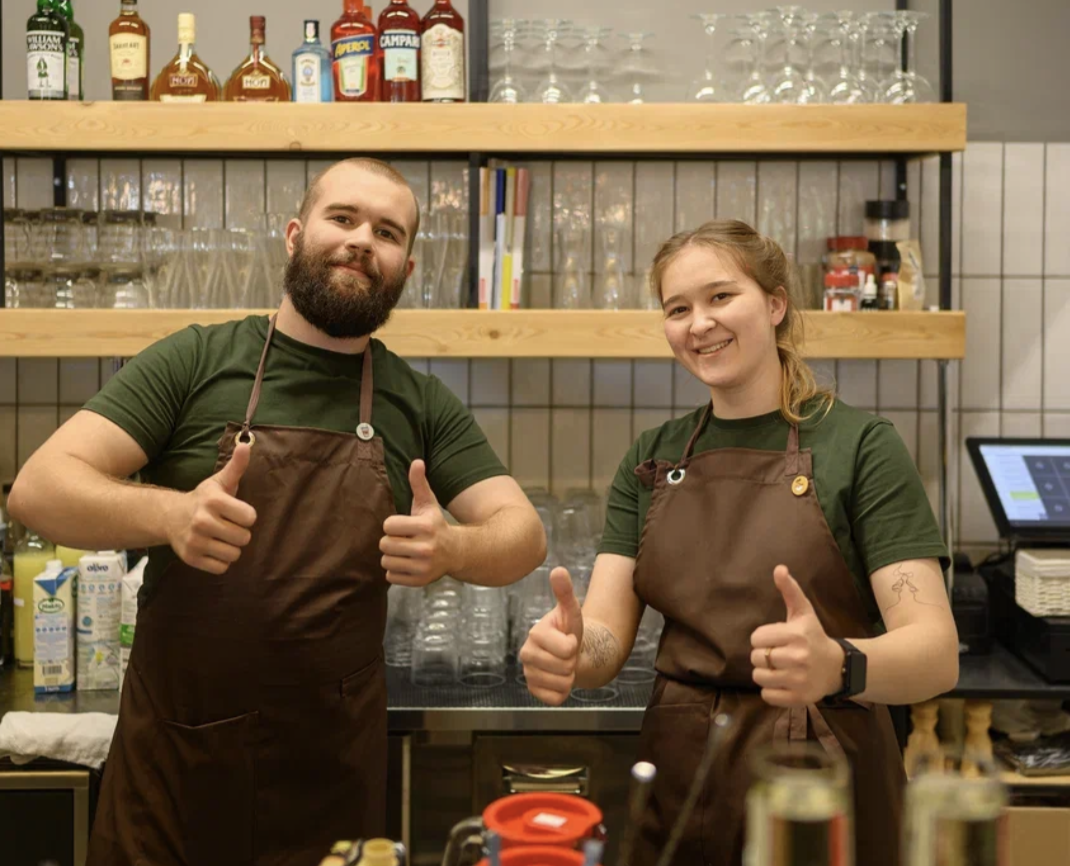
{"x": 846, "y": 242}
{"x": 869, "y": 290}
{"x": 257, "y": 27}
{"x": 54, "y": 565}
{"x": 888, "y": 209}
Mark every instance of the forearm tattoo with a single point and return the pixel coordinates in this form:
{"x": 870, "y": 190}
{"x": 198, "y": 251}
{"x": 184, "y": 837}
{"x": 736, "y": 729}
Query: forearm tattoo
{"x": 600, "y": 646}
{"x": 905, "y": 583}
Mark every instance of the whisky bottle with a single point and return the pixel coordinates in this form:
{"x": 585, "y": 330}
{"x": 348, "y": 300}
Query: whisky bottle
{"x": 399, "y": 52}
{"x": 442, "y": 46}
{"x": 257, "y": 79}
{"x": 75, "y": 51}
{"x": 313, "y": 81}
{"x": 186, "y": 78}
{"x": 356, "y": 70}
{"x": 46, "y": 53}
{"x": 128, "y": 43}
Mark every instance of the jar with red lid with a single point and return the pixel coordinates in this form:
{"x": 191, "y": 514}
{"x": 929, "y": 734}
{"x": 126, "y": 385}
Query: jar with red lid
{"x": 851, "y": 255}
{"x": 842, "y": 293}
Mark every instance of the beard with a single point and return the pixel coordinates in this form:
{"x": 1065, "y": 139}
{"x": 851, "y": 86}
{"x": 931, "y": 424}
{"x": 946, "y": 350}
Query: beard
{"x": 336, "y": 302}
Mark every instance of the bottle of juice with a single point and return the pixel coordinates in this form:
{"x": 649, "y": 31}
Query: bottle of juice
{"x": 31, "y": 555}
{"x": 70, "y": 556}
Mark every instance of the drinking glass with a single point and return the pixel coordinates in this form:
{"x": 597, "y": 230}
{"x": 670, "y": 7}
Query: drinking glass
{"x": 483, "y": 639}
{"x": 610, "y": 691}
{"x": 572, "y": 287}
{"x": 816, "y": 91}
{"x": 507, "y": 88}
{"x": 612, "y": 290}
{"x": 435, "y": 651}
{"x": 596, "y": 63}
{"x": 638, "y": 66}
{"x": 25, "y": 287}
{"x": 845, "y": 86}
{"x": 706, "y": 88}
{"x": 955, "y": 811}
{"x": 907, "y": 85}
{"x": 639, "y": 668}
{"x": 403, "y": 609}
{"x": 552, "y": 89}
{"x": 124, "y": 289}
{"x": 879, "y": 61}
{"x": 536, "y": 600}
{"x": 160, "y": 248}
{"x": 737, "y": 60}
{"x": 754, "y": 90}
{"x": 860, "y": 36}
{"x": 16, "y": 238}
{"x": 789, "y": 82}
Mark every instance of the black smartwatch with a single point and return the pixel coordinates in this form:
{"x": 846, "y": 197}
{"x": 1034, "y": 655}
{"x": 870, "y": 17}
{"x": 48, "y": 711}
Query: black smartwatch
{"x": 853, "y": 673}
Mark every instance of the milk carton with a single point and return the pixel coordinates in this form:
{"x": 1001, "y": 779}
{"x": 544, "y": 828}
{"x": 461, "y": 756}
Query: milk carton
{"x": 54, "y": 595}
{"x": 100, "y": 586}
{"x": 131, "y": 584}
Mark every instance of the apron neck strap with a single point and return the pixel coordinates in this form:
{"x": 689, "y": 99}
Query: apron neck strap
{"x": 366, "y": 386}
{"x": 254, "y": 397}
{"x": 689, "y": 450}
{"x": 791, "y": 455}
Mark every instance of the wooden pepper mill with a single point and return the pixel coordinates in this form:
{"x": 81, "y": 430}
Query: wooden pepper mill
{"x": 978, "y": 740}
{"x": 923, "y": 742}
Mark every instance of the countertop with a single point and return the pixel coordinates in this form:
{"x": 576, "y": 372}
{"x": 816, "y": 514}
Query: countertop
{"x": 510, "y": 707}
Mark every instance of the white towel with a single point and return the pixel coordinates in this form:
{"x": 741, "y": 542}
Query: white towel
{"x": 78, "y": 738}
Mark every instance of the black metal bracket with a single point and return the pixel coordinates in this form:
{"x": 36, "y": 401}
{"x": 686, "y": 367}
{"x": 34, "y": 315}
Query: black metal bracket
{"x": 946, "y": 95}
{"x": 479, "y": 89}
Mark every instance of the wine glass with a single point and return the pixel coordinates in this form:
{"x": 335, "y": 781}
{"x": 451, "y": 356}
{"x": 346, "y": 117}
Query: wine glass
{"x": 860, "y": 34}
{"x": 845, "y": 87}
{"x": 552, "y": 90}
{"x": 755, "y": 91}
{"x": 704, "y": 88}
{"x": 789, "y": 84}
{"x": 879, "y": 60}
{"x": 639, "y": 66}
{"x": 907, "y": 85}
{"x": 508, "y": 87}
{"x": 597, "y": 64}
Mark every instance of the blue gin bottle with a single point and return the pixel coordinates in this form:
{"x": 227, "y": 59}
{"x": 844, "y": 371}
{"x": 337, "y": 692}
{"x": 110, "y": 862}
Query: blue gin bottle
{"x": 312, "y": 68}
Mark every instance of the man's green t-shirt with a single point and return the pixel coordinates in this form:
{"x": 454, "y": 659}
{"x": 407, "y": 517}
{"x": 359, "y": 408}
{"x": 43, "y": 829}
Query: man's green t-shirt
{"x": 176, "y": 397}
{"x": 866, "y": 483}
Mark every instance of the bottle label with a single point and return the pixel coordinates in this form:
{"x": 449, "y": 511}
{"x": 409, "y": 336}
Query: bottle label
{"x": 400, "y": 52}
{"x": 129, "y": 57}
{"x": 308, "y": 83}
{"x": 193, "y": 97}
{"x": 256, "y": 81}
{"x": 180, "y": 80}
{"x": 73, "y": 69}
{"x": 46, "y": 68}
{"x": 443, "y": 63}
{"x": 352, "y": 55}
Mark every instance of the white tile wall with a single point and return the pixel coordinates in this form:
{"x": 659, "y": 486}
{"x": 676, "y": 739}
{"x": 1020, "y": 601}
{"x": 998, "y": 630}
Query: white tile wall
{"x": 568, "y": 423}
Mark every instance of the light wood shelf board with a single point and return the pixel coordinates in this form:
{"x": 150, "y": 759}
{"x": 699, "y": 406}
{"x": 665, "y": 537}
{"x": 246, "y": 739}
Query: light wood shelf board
{"x": 476, "y": 334}
{"x": 349, "y": 128}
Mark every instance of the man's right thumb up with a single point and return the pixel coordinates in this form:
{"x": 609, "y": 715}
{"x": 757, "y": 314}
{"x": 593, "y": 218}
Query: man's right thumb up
{"x": 569, "y": 614}
{"x": 230, "y": 475}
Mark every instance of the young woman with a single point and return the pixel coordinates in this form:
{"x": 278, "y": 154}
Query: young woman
{"x": 787, "y": 539}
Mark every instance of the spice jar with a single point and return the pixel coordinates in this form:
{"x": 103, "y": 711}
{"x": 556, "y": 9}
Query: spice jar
{"x": 841, "y": 292}
{"x": 848, "y": 254}
{"x": 888, "y": 220}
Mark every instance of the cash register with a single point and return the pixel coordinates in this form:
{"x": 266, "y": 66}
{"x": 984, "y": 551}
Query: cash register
{"x": 1026, "y": 483}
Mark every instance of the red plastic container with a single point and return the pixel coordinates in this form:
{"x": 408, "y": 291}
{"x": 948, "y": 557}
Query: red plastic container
{"x": 558, "y": 820}
{"x": 538, "y": 855}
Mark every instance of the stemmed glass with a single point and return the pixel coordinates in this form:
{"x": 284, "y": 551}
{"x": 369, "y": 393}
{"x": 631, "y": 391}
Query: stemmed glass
{"x": 860, "y": 34}
{"x": 879, "y": 60}
{"x": 790, "y": 84}
{"x": 553, "y": 89}
{"x": 508, "y": 88}
{"x": 596, "y": 62}
{"x": 845, "y": 87}
{"x": 816, "y": 90}
{"x": 755, "y": 91}
{"x": 638, "y": 66}
{"x": 908, "y": 85}
{"x": 704, "y": 88}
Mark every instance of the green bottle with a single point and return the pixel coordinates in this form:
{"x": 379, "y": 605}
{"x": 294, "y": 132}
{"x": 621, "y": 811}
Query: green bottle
{"x": 46, "y": 53}
{"x": 75, "y": 51}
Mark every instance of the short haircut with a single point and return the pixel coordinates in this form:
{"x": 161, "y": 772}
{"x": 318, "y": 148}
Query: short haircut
{"x": 372, "y": 166}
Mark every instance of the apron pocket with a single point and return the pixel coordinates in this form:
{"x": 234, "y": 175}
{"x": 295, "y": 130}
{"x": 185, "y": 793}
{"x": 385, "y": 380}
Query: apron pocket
{"x": 212, "y": 785}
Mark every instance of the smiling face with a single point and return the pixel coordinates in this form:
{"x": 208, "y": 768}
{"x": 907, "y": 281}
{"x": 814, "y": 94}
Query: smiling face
{"x": 349, "y": 255}
{"x": 720, "y": 323}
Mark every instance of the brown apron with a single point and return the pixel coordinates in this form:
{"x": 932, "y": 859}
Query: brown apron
{"x": 252, "y": 724}
{"x": 719, "y": 523}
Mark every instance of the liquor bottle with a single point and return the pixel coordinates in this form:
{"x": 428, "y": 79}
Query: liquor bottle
{"x": 313, "y": 81}
{"x": 399, "y": 52}
{"x": 75, "y": 51}
{"x": 46, "y": 53}
{"x": 257, "y": 79}
{"x": 442, "y": 46}
{"x": 129, "y": 44}
{"x": 186, "y": 78}
{"x": 356, "y": 70}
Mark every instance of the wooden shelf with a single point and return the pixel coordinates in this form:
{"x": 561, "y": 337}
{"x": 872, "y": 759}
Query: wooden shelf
{"x": 145, "y": 127}
{"x": 474, "y": 334}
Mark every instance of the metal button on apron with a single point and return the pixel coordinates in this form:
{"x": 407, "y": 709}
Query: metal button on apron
{"x": 365, "y": 432}
{"x": 676, "y": 476}
{"x": 800, "y": 485}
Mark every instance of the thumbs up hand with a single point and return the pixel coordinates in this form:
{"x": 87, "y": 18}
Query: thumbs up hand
{"x": 209, "y": 526}
{"x": 552, "y": 650}
{"x": 421, "y": 547}
{"x": 795, "y": 662}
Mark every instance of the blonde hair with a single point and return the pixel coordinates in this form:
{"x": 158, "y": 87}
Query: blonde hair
{"x": 763, "y": 260}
